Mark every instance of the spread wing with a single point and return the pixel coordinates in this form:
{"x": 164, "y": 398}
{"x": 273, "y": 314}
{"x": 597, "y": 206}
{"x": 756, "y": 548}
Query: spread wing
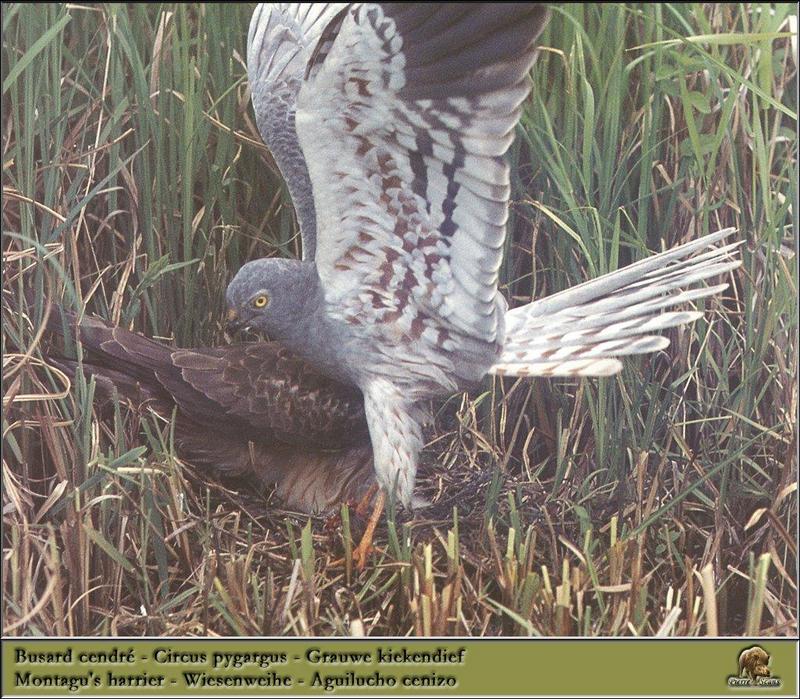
{"x": 405, "y": 116}
{"x": 279, "y": 45}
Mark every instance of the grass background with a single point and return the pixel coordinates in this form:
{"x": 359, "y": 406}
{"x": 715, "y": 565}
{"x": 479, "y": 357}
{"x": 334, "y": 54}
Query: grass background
{"x": 659, "y": 502}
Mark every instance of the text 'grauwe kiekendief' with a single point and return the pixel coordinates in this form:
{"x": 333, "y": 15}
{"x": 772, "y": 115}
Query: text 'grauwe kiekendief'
{"x": 123, "y": 667}
{"x": 390, "y": 655}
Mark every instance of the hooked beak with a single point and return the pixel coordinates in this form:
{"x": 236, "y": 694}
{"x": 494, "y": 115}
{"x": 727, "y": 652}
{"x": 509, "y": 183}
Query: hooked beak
{"x": 232, "y": 321}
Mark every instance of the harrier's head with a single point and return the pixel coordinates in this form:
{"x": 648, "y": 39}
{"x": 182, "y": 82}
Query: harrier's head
{"x": 271, "y": 295}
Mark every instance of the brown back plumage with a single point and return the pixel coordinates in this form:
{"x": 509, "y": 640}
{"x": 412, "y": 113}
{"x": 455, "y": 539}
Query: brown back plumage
{"x": 250, "y": 409}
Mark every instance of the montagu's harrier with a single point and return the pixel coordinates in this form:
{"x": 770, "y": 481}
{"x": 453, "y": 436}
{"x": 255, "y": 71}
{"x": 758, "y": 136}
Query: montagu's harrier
{"x": 253, "y": 410}
{"x": 390, "y": 123}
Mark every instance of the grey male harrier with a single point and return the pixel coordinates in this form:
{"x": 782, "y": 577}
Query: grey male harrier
{"x": 390, "y": 123}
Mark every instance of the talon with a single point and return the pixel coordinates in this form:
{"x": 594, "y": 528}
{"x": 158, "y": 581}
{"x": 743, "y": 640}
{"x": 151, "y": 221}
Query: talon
{"x": 364, "y": 548}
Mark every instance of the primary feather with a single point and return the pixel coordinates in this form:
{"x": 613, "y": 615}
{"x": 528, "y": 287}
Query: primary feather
{"x": 279, "y": 44}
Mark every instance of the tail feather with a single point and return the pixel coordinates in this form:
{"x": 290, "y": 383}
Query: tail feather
{"x": 580, "y": 331}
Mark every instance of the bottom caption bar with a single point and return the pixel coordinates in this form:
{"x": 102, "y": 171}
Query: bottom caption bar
{"x": 215, "y": 667}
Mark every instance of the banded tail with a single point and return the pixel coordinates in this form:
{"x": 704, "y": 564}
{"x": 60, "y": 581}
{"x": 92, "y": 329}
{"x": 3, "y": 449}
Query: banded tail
{"x": 581, "y": 331}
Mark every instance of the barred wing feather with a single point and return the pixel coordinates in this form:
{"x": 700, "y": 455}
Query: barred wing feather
{"x": 405, "y": 117}
{"x": 581, "y": 331}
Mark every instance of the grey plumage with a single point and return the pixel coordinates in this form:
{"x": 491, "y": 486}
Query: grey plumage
{"x": 279, "y": 44}
{"x": 581, "y": 331}
{"x": 404, "y": 115}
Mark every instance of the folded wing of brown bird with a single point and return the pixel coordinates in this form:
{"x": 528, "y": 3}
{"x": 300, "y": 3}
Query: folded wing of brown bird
{"x": 252, "y": 409}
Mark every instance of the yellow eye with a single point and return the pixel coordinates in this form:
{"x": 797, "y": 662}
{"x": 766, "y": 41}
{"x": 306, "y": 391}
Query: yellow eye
{"x": 260, "y": 301}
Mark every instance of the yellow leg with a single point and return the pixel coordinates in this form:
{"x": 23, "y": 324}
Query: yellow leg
{"x": 363, "y": 505}
{"x": 362, "y": 551}
{"x": 361, "y": 509}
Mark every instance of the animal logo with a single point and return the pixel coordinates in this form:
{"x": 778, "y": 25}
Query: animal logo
{"x": 753, "y": 662}
{"x": 754, "y": 670}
